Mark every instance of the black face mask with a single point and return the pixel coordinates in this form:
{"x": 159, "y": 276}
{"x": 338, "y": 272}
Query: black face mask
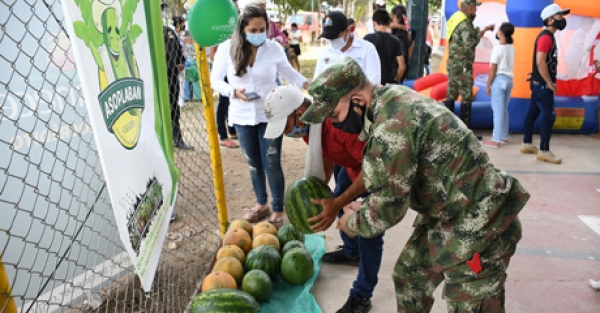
{"x": 560, "y": 24}
{"x": 354, "y": 122}
{"x": 472, "y": 17}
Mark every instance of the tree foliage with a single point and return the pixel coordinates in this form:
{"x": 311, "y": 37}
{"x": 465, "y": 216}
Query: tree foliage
{"x": 361, "y": 7}
{"x": 288, "y": 7}
{"x": 435, "y": 5}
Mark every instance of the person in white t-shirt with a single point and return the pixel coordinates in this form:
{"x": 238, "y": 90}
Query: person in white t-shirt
{"x": 295, "y": 40}
{"x": 500, "y": 83}
{"x": 251, "y": 63}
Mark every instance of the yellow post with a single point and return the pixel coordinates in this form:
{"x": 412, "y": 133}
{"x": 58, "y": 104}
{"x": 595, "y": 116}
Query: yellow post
{"x": 7, "y": 304}
{"x": 213, "y": 136}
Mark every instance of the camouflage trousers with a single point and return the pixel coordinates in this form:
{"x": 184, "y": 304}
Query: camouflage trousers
{"x": 415, "y": 280}
{"x": 460, "y": 83}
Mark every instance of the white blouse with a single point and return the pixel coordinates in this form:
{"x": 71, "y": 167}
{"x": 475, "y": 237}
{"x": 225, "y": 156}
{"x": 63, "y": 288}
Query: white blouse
{"x": 260, "y": 78}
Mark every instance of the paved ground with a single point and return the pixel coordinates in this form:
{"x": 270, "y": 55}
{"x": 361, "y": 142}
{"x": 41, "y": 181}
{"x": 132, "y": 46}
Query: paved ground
{"x": 560, "y": 249}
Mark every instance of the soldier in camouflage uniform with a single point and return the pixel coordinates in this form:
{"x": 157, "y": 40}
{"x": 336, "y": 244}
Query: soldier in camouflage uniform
{"x": 463, "y": 37}
{"x": 419, "y": 155}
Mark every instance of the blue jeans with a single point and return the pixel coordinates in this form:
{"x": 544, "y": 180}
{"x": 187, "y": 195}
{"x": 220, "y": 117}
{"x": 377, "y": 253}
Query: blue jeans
{"x": 501, "y": 87}
{"x": 542, "y": 103}
{"x": 370, "y": 249}
{"x": 222, "y": 113}
{"x": 263, "y": 157}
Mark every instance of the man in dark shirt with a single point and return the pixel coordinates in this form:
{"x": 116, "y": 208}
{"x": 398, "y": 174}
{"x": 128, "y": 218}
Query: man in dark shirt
{"x": 543, "y": 85}
{"x": 175, "y": 63}
{"x": 388, "y": 47}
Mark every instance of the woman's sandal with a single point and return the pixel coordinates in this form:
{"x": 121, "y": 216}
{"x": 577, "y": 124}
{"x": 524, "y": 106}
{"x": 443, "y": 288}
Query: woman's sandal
{"x": 256, "y": 213}
{"x": 491, "y": 143}
{"x": 277, "y": 222}
{"x": 229, "y": 144}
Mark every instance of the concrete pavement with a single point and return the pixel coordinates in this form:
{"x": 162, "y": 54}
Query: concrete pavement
{"x": 560, "y": 249}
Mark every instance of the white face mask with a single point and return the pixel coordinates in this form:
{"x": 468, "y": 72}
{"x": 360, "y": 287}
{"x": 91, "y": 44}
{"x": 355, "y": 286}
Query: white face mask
{"x": 338, "y": 43}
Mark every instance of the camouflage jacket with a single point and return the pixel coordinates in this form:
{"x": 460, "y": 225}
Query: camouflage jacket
{"x": 462, "y": 46}
{"x": 419, "y": 155}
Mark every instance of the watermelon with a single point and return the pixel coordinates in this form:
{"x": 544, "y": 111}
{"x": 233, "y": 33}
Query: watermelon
{"x": 224, "y": 300}
{"x": 258, "y": 284}
{"x": 288, "y": 232}
{"x": 297, "y": 201}
{"x": 297, "y": 266}
{"x": 265, "y": 258}
{"x": 290, "y": 245}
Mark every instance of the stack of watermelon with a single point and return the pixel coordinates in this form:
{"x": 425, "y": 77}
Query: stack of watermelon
{"x": 251, "y": 258}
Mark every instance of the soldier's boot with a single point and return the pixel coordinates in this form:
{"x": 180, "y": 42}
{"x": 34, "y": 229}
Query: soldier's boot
{"x": 465, "y": 116}
{"x": 465, "y": 113}
{"x": 450, "y": 105}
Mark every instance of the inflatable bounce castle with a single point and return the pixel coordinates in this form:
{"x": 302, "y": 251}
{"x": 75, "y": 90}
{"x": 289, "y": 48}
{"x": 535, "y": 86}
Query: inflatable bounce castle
{"x": 578, "y": 46}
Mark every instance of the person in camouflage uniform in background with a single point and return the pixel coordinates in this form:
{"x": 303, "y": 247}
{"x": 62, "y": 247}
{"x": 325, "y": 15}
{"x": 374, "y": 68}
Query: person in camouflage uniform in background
{"x": 419, "y": 155}
{"x": 463, "y": 38}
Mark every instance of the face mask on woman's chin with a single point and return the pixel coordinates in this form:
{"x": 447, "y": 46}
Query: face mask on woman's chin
{"x": 338, "y": 43}
{"x": 256, "y": 39}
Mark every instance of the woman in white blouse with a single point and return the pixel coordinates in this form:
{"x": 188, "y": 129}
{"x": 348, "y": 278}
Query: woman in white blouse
{"x": 251, "y": 64}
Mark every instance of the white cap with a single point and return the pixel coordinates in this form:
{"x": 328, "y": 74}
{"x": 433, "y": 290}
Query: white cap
{"x": 257, "y": 2}
{"x": 280, "y": 103}
{"x": 380, "y": 2}
{"x": 552, "y": 9}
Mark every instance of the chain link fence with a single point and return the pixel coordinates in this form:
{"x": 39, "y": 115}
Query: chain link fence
{"x": 59, "y": 242}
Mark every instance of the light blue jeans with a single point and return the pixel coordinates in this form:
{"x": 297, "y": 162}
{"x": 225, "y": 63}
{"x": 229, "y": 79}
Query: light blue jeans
{"x": 501, "y": 87}
{"x": 264, "y": 159}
